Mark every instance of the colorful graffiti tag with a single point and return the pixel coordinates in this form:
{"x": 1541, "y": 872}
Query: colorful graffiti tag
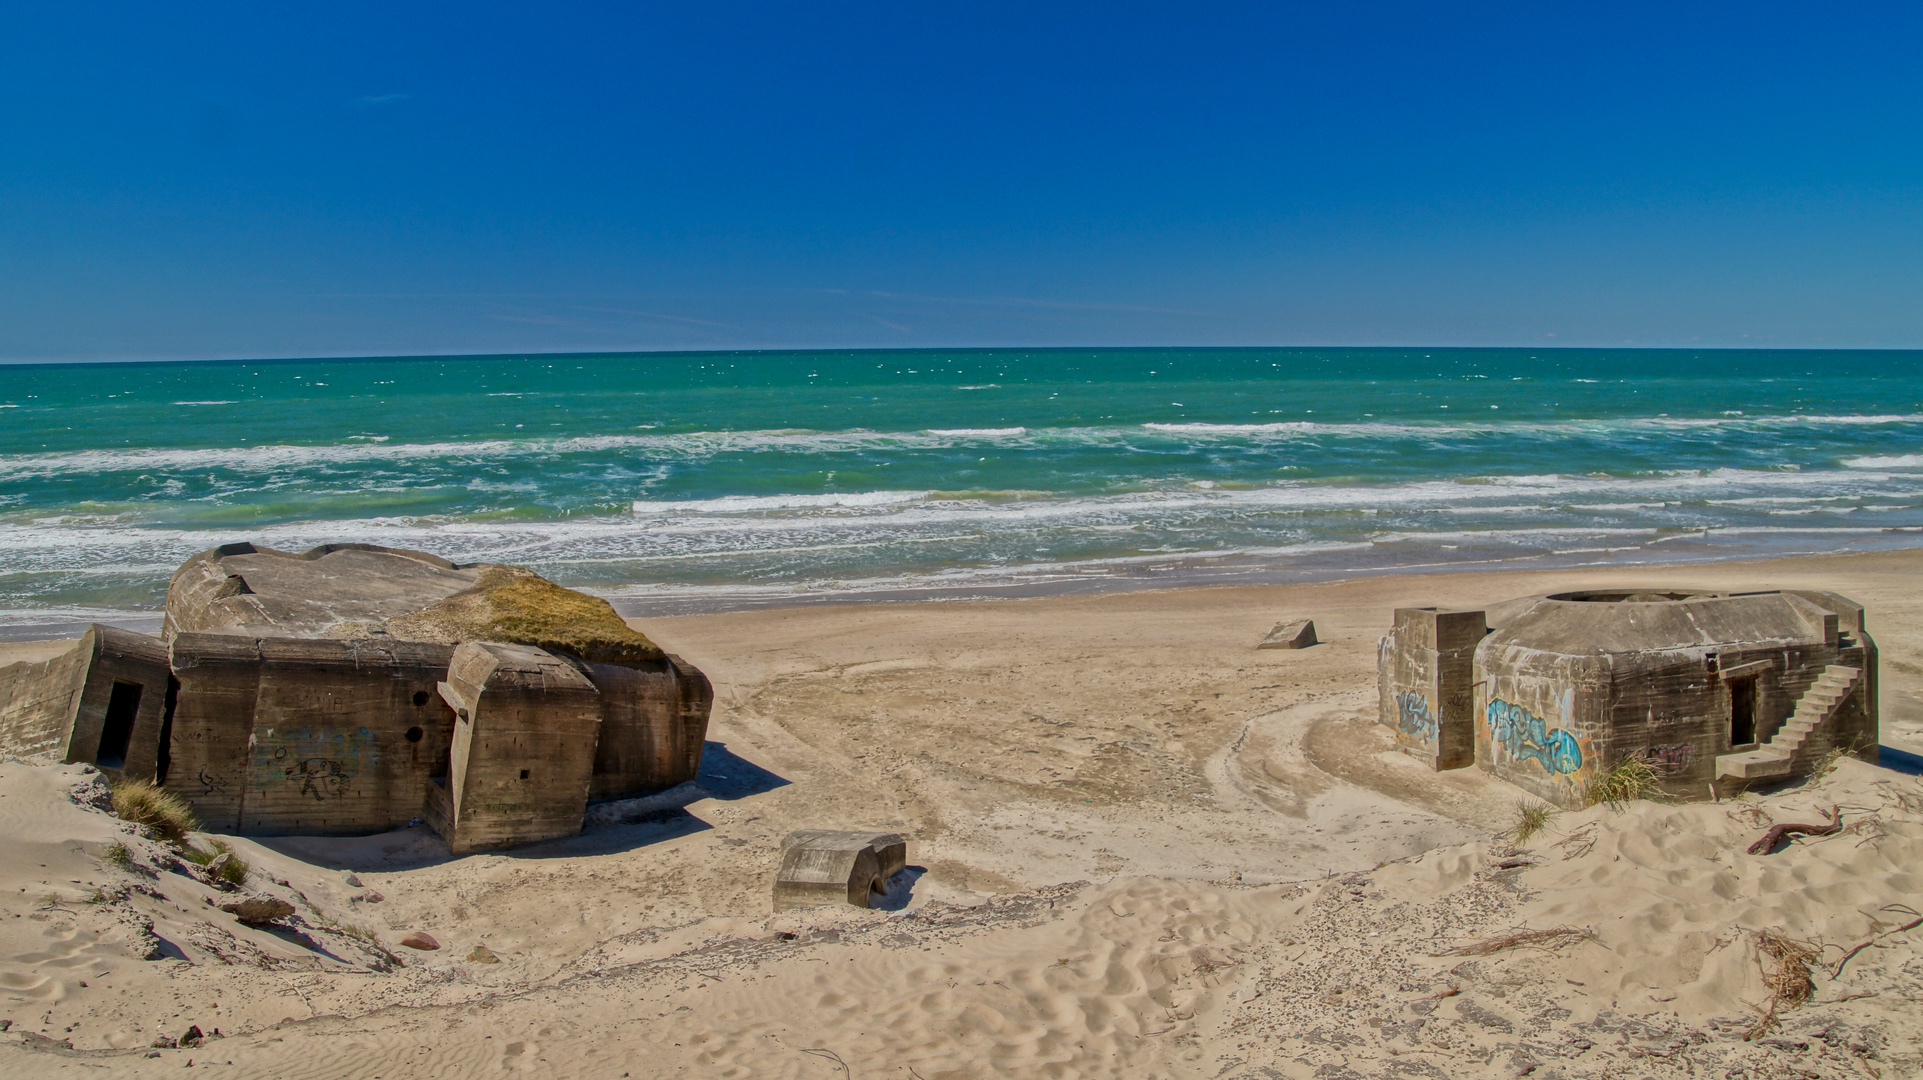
{"x": 1525, "y": 735}
{"x": 1416, "y": 720}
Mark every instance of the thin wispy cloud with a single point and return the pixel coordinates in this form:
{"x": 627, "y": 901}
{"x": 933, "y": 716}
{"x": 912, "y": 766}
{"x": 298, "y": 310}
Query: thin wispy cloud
{"x": 890, "y": 325}
{"x": 654, "y": 315}
{"x": 384, "y": 99}
{"x": 1030, "y": 302}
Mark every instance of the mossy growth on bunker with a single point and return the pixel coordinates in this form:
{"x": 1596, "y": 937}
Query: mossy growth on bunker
{"x": 519, "y": 607}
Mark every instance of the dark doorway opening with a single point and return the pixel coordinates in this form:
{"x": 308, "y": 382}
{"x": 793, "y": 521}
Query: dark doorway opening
{"x": 164, "y": 752}
{"x": 1742, "y": 711}
{"x": 118, "y": 731}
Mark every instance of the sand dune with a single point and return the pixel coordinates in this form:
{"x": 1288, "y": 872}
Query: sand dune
{"x": 1140, "y": 848}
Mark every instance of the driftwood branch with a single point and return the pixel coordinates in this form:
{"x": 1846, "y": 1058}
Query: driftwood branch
{"x": 1545, "y": 939}
{"x": 1776, "y": 833}
{"x": 1851, "y": 955}
{"x": 824, "y": 1052}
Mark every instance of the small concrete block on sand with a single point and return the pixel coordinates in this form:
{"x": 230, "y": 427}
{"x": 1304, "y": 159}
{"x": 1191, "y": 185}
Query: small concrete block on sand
{"x": 825, "y": 866}
{"x": 1299, "y": 634}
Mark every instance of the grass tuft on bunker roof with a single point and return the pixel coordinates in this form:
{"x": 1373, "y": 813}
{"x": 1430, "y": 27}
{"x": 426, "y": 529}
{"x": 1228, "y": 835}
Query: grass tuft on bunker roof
{"x": 520, "y": 607}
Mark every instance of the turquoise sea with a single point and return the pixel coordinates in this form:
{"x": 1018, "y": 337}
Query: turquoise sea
{"x": 707, "y": 480}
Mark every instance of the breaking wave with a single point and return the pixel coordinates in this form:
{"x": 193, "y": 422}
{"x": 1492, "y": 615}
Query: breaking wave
{"x": 699, "y": 445}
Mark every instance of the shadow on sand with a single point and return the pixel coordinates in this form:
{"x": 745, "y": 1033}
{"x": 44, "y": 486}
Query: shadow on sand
{"x": 901, "y": 890}
{"x": 612, "y": 827}
{"x": 1899, "y": 760}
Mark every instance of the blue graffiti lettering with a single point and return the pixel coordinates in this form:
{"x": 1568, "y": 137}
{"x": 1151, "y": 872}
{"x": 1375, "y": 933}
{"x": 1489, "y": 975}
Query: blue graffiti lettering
{"x": 1525, "y": 735}
{"x": 1416, "y": 719}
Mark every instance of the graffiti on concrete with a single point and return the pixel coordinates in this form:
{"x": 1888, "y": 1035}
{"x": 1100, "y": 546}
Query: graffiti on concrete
{"x": 211, "y": 783}
{"x": 1525, "y": 735}
{"x": 1670, "y": 759}
{"x": 1417, "y": 720}
{"x": 320, "y": 777}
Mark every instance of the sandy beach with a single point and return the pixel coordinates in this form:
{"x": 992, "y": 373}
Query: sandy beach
{"x": 1139, "y": 847}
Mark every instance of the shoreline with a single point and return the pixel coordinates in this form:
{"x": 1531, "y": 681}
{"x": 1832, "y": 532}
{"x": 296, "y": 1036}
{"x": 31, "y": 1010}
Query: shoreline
{"x": 1174, "y": 574}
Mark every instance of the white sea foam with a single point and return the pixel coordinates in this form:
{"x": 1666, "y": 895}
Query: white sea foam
{"x": 1898, "y": 461}
{"x": 834, "y": 543}
{"x": 1290, "y": 427}
{"x": 910, "y": 516}
{"x": 761, "y": 504}
{"x": 707, "y": 444}
{"x": 206, "y": 402}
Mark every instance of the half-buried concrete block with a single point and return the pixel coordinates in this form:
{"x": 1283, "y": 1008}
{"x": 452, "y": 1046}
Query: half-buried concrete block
{"x": 821, "y": 867}
{"x": 1299, "y": 634}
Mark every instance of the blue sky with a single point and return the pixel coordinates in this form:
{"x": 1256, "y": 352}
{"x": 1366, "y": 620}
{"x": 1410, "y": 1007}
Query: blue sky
{"x": 220, "y": 180}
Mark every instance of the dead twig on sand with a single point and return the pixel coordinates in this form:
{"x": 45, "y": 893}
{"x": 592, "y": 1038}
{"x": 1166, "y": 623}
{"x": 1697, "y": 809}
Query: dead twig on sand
{"x": 1878, "y": 936}
{"x": 1908, "y": 801}
{"x": 1789, "y": 983}
{"x": 1554, "y": 938}
{"x": 824, "y": 1052}
{"x": 1776, "y": 833}
{"x": 1578, "y": 842}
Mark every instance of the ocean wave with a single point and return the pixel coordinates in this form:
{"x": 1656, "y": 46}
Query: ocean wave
{"x": 770, "y": 522}
{"x": 717, "y": 569}
{"x": 761, "y": 504}
{"x": 708, "y": 444}
{"x": 1899, "y": 461}
{"x": 1493, "y": 493}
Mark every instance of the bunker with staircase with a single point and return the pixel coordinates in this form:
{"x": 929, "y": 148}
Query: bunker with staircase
{"x": 1714, "y": 690}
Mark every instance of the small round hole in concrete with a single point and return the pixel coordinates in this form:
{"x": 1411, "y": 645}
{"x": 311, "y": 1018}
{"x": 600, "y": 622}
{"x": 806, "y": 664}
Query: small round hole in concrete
{"x": 414, "y": 734}
{"x": 420, "y": 698}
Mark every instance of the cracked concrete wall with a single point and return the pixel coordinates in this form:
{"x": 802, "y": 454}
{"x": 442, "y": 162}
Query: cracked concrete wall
{"x": 526, "y": 727}
{"x": 654, "y": 725}
{"x": 121, "y": 658}
{"x": 38, "y": 701}
{"x": 61, "y": 705}
{"x": 1541, "y": 719}
{"x": 278, "y": 736}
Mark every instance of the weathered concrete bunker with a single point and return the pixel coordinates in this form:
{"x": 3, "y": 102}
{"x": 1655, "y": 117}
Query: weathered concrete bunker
{"x": 352, "y": 689}
{"x": 1548, "y": 692}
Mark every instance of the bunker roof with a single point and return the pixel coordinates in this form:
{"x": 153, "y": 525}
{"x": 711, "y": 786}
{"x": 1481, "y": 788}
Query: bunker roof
{"x": 361, "y": 590}
{"x": 1599, "y": 622}
{"x": 249, "y": 589}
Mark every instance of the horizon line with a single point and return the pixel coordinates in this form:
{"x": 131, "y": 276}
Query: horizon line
{"x": 875, "y": 349}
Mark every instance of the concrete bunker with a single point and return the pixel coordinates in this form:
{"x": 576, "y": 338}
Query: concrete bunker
{"x": 351, "y": 689}
{"x": 1710, "y": 688}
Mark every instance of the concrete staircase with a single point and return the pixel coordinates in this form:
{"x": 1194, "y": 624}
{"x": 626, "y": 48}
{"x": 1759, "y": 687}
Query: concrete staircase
{"x": 1777, "y": 757}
